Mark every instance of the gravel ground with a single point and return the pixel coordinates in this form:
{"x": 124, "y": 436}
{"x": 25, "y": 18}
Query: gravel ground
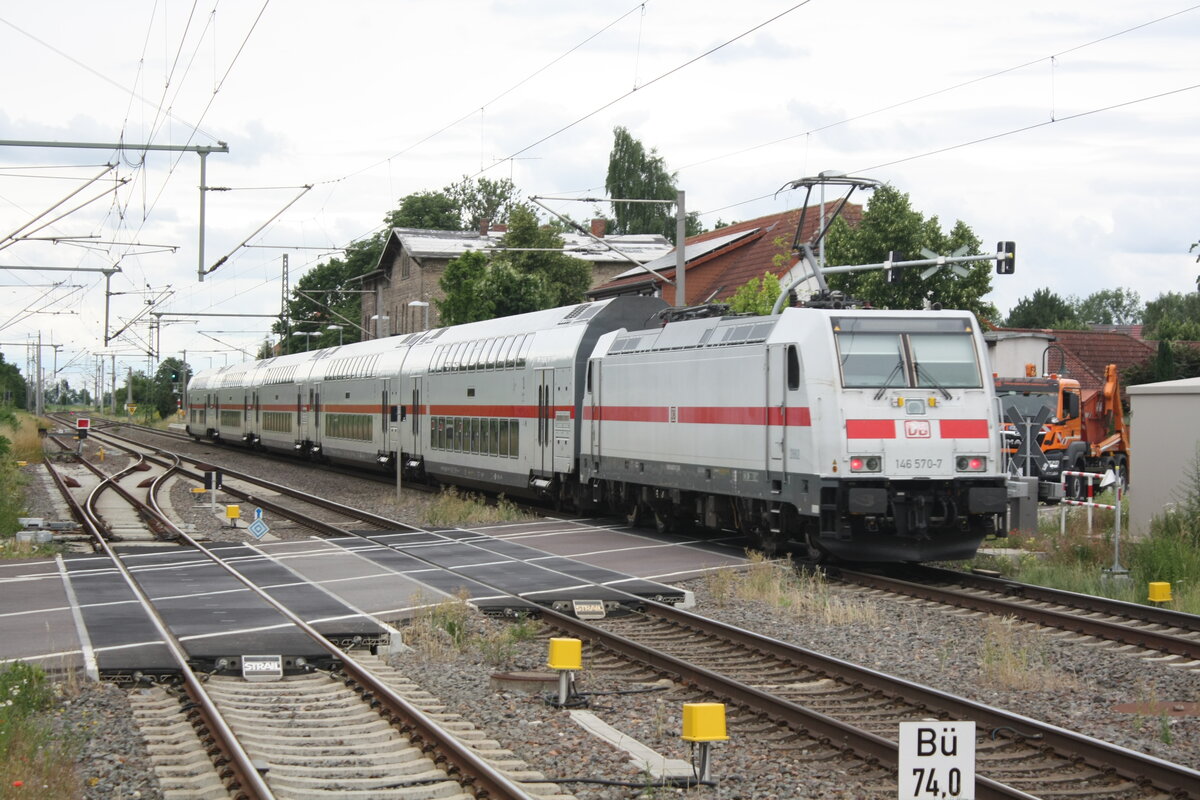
{"x": 1071, "y": 685}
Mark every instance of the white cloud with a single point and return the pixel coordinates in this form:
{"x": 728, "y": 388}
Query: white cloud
{"x": 340, "y": 96}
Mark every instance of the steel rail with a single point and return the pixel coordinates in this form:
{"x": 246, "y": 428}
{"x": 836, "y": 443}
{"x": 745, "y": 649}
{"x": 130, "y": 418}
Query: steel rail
{"x": 1131, "y": 764}
{"x": 241, "y": 776}
{"x": 475, "y": 773}
{"x": 1085, "y": 602}
{"x": 1112, "y": 631}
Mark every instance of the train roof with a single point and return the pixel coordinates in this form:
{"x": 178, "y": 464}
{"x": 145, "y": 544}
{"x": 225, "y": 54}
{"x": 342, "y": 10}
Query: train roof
{"x": 374, "y": 356}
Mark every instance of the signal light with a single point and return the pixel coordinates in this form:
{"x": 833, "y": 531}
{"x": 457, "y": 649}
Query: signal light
{"x": 1006, "y": 258}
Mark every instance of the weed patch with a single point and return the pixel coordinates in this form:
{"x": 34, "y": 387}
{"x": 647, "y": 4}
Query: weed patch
{"x": 806, "y": 594}
{"x": 1012, "y": 659}
{"x": 33, "y": 762}
{"x": 454, "y": 508}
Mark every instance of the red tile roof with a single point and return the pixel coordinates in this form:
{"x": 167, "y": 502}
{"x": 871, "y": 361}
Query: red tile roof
{"x": 715, "y": 276}
{"x": 1085, "y": 354}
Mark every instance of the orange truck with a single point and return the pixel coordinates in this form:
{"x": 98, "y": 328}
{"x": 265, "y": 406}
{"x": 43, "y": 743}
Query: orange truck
{"x": 1050, "y": 427}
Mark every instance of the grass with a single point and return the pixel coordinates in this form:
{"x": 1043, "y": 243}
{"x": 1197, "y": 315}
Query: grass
{"x": 454, "y": 508}
{"x": 446, "y": 629}
{"x": 34, "y": 763}
{"x": 776, "y": 583}
{"x": 1077, "y": 560}
{"x": 1011, "y": 658}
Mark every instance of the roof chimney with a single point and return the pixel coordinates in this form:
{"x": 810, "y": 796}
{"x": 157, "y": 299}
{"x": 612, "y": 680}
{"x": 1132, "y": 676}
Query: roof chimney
{"x": 598, "y": 226}
{"x": 484, "y": 224}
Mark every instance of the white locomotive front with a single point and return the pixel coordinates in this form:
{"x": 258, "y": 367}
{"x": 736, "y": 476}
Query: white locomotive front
{"x": 868, "y": 435}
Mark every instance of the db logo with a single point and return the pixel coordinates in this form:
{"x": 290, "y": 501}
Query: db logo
{"x": 916, "y": 428}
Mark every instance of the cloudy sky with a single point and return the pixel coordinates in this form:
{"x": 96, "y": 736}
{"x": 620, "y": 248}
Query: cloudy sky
{"x": 1069, "y": 127}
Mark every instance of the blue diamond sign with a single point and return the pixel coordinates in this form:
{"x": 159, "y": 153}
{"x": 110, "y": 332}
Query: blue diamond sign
{"x": 258, "y": 528}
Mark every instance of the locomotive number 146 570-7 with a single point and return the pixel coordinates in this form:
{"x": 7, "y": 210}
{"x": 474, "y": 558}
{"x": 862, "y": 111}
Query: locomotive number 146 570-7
{"x": 918, "y": 463}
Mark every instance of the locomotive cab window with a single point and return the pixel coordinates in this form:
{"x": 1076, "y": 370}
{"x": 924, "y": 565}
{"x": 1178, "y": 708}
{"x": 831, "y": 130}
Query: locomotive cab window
{"x": 878, "y": 352}
{"x": 871, "y": 359}
{"x": 939, "y": 359}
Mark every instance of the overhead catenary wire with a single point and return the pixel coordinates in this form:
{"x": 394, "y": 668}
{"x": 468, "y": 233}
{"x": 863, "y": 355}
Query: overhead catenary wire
{"x": 648, "y": 83}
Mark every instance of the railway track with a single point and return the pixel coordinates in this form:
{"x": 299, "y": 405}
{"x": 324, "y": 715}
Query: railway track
{"x": 808, "y": 706}
{"x": 1172, "y": 636}
{"x": 804, "y": 702}
{"x": 343, "y": 733}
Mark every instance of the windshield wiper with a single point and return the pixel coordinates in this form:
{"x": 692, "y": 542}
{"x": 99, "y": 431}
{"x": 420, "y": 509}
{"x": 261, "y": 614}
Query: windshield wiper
{"x": 932, "y": 379}
{"x": 887, "y": 382}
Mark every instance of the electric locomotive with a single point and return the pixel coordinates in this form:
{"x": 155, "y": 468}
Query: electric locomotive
{"x": 865, "y": 435}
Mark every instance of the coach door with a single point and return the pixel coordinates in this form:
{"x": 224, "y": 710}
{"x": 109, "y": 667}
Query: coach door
{"x": 786, "y": 412}
{"x": 418, "y": 386}
{"x": 544, "y": 381}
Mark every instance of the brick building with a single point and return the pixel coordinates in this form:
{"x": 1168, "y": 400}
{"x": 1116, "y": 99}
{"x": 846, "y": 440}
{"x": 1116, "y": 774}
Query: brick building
{"x": 411, "y": 266}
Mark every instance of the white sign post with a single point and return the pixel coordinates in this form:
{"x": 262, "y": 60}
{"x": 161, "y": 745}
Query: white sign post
{"x": 937, "y": 761}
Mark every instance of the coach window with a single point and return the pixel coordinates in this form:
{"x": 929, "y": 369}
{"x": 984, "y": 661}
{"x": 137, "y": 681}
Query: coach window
{"x": 476, "y": 439}
{"x": 493, "y": 437}
{"x": 503, "y": 443}
{"x": 514, "y": 438}
{"x": 793, "y": 369}
{"x": 525, "y": 346}
{"x": 507, "y": 356}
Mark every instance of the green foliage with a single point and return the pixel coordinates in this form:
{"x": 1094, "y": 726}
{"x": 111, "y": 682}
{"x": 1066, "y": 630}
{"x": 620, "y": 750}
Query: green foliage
{"x": 525, "y": 278}
{"x": 1173, "y": 316}
{"x": 462, "y": 283}
{"x": 12, "y": 495}
{"x": 24, "y": 690}
{"x": 324, "y": 295}
{"x": 635, "y": 175}
{"x": 888, "y": 223}
{"x": 564, "y": 279}
{"x": 427, "y": 210}
{"x": 1044, "y": 309}
{"x": 1174, "y": 360}
{"x": 1110, "y": 307}
{"x": 483, "y": 198}
{"x": 757, "y": 296}
{"x": 12, "y": 385}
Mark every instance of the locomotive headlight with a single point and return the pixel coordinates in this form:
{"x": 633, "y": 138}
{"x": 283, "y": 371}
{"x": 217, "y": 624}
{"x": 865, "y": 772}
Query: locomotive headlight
{"x": 865, "y": 463}
{"x": 971, "y": 463}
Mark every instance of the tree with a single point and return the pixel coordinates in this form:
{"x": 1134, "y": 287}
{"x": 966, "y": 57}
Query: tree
{"x": 477, "y": 200}
{"x": 462, "y": 284}
{"x": 167, "y": 388}
{"x": 565, "y": 279}
{"x": 889, "y": 223}
{"x": 12, "y": 385}
{"x": 1110, "y": 307}
{"x": 526, "y": 275}
{"x": 1173, "y": 361}
{"x": 324, "y": 295}
{"x": 756, "y": 296}
{"x": 1173, "y": 316}
{"x": 635, "y": 175}
{"x": 427, "y": 210}
{"x": 510, "y": 291}
{"x": 1044, "y": 309}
